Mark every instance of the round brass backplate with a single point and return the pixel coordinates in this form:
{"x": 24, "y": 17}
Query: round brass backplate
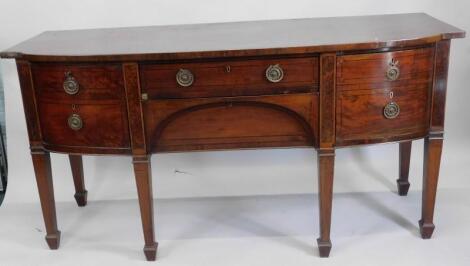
{"x": 391, "y": 110}
{"x": 274, "y": 73}
{"x": 71, "y": 84}
{"x": 75, "y": 122}
{"x": 184, "y": 77}
{"x": 393, "y": 73}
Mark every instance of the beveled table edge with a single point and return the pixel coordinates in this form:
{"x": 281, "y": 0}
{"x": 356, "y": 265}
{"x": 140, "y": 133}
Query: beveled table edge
{"x": 234, "y": 53}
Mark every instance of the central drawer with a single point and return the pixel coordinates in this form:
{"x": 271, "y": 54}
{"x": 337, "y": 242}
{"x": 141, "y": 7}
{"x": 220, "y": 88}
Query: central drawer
{"x": 230, "y": 78}
{"x": 231, "y": 122}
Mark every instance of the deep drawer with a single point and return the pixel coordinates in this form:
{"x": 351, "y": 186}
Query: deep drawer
{"x": 372, "y": 116}
{"x": 230, "y": 78}
{"x": 236, "y": 122}
{"x": 86, "y": 125}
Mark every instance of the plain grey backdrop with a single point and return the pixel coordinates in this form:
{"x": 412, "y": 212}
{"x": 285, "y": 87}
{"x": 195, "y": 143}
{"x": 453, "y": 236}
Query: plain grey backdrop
{"x": 219, "y": 173}
{"x": 286, "y": 172}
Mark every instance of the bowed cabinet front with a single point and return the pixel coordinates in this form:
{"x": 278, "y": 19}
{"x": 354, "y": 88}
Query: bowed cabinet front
{"x": 322, "y": 83}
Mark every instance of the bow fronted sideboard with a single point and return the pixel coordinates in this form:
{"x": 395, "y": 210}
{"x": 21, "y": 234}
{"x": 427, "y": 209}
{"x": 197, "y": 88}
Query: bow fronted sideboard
{"x": 323, "y": 83}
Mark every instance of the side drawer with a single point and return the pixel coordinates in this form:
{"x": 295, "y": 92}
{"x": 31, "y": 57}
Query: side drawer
{"x": 361, "y": 116}
{"x": 230, "y": 78}
{"x": 78, "y": 82}
{"x": 101, "y": 125}
{"x": 371, "y": 71}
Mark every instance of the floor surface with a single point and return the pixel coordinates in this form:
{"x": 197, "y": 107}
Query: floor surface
{"x": 368, "y": 229}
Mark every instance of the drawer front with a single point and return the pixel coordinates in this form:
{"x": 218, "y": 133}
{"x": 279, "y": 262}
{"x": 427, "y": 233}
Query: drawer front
{"x": 84, "y": 125}
{"x": 230, "y": 78}
{"x": 231, "y": 123}
{"x": 372, "y": 71}
{"x": 78, "y": 82}
{"x": 374, "y": 116}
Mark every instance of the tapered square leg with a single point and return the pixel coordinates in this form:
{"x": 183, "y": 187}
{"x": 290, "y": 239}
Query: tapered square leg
{"x": 326, "y": 159}
{"x": 81, "y": 193}
{"x": 42, "y": 170}
{"x": 432, "y": 160}
{"x": 404, "y": 168}
{"x": 143, "y": 177}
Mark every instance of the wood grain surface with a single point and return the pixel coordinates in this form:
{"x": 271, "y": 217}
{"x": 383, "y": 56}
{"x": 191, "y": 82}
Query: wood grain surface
{"x": 292, "y": 36}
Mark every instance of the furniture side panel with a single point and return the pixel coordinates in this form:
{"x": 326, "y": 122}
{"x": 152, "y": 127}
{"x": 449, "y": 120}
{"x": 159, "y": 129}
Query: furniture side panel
{"x": 81, "y": 107}
{"x": 384, "y": 96}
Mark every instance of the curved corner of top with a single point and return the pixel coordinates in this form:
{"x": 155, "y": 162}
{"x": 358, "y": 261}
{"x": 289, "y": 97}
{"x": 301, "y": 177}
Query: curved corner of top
{"x": 10, "y": 55}
{"x": 454, "y": 35}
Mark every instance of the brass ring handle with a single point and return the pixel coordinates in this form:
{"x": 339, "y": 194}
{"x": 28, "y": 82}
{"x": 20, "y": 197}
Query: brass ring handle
{"x": 71, "y": 85}
{"x": 393, "y": 72}
{"x": 184, "y": 77}
{"x": 274, "y": 73}
{"x": 391, "y": 110}
{"x": 75, "y": 122}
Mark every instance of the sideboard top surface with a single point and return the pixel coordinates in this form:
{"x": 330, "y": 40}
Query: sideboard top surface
{"x": 232, "y": 39}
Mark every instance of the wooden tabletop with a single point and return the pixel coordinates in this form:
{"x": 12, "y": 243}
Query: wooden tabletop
{"x": 291, "y": 36}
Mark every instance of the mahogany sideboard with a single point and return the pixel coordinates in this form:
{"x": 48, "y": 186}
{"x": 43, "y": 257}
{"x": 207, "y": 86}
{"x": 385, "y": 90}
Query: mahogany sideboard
{"x": 324, "y": 83}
